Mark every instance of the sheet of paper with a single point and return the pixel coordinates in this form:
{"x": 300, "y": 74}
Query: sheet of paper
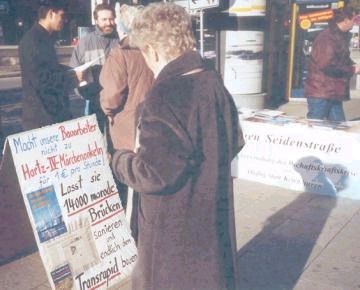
{"x": 268, "y": 113}
{"x": 88, "y": 64}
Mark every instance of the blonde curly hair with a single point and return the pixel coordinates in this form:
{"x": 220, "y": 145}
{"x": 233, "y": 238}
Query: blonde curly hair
{"x": 166, "y": 27}
{"x": 127, "y": 13}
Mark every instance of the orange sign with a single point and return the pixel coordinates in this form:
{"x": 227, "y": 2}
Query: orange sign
{"x": 306, "y": 20}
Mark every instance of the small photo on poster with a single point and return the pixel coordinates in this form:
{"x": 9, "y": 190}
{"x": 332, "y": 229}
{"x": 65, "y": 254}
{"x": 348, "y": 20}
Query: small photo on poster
{"x": 79, "y": 247}
{"x": 47, "y": 215}
{"x": 62, "y": 278}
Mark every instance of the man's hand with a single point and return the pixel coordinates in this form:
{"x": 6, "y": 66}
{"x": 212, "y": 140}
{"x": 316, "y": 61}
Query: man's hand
{"x": 80, "y": 75}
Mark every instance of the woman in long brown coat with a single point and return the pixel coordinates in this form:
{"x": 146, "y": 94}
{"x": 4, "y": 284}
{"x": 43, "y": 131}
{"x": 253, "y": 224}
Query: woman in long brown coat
{"x": 189, "y": 134}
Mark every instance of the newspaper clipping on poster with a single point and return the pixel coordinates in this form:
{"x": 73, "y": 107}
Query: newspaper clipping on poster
{"x": 73, "y": 205}
{"x": 303, "y": 155}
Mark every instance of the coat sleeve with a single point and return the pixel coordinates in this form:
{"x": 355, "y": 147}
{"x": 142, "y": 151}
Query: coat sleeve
{"x": 114, "y": 82}
{"x": 51, "y": 79}
{"x": 164, "y": 160}
{"x": 324, "y": 55}
{"x": 53, "y": 89}
{"x": 76, "y": 57}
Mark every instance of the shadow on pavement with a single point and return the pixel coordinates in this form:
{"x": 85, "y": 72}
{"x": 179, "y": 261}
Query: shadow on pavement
{"x": 276, "y": 257}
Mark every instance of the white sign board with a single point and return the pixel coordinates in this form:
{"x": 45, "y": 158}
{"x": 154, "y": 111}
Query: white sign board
{"x": 193, "y": 5}
{"x": 73, "y": 205}
{"x": 247, "y": 7}
{"x": 243, "y": 63}
{"x": 288, "y": 154}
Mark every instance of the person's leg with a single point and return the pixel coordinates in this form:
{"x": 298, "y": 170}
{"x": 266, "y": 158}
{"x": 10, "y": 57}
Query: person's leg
{"x": 318, "y": 108}
{"x": 336, "y": 111}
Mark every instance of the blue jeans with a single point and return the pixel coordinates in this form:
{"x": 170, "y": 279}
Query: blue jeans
{"x": 322, "y": 109}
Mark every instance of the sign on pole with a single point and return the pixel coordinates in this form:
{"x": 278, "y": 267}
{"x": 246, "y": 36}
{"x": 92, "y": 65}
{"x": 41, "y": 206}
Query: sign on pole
{"x": 194, "y": 5}
{"x": 73, "y": 205}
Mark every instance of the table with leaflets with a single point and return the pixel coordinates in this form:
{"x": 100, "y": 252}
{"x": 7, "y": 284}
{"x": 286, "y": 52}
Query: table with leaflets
{"x": 300, "y": 154}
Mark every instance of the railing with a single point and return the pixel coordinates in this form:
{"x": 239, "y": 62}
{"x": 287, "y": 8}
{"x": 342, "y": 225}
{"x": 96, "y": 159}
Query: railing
{"x": 9, "y": 59}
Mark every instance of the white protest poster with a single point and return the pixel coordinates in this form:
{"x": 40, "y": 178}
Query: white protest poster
{"x": 73, "y": 205}
{"x": 314, "y": 158}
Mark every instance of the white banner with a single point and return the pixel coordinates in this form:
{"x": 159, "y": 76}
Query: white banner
{"x": 73, "y": 205}
{"x": 317, "y": 157}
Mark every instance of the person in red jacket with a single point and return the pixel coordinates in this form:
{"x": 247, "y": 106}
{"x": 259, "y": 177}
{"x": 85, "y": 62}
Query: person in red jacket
{"x": 331, "y": 68}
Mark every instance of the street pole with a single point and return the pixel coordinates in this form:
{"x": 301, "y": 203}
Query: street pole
{"x": 201, "y": 12}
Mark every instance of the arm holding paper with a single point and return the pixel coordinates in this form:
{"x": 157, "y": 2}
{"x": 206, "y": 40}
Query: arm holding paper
{"x": 88, "y": 64}
{"x": 84, "y": 71}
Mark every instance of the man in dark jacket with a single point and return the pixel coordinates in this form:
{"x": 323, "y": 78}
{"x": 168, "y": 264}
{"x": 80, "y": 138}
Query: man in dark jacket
{"x": 330, "y": 69}
{"x": 95, "y": 46}
{"x": 46, "y": 83}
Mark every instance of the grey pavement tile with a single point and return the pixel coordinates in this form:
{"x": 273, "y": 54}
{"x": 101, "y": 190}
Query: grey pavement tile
{"x": 28, "y": 274}
{"x": 345, "y": 248}
{"x": 297, "y": 230}
{"x": 323, "y": 201}
{"x": 249, "y": 285}
{"x": 337, "y": 272}
{"x": 259, "y": 270}
{"x": 45, "y": 286}
{"x": 124, "y": 285}
{"x": 352, "y": 229}
{"x": 331, "y": 229}
{"x": 328, "y": 216}
{"x": 310, "y": 214}
{"x": 265, "y": 216}
{"x": 276, "y": 260}
{"x": 347, "y": 204}
{"x": 22, "y": 274}
{"x": 259, "y": 192}
{"x": 302, "y": 238}
{"x": 245, "y": 233}
{"x": 339, "y": 263}
{"x": 286, "y": 240}
{"x": 345, "y": 212}
{"x": 304, "y": 284}
{"x": 316, "y": 227}
{"x": 275, "y": 209}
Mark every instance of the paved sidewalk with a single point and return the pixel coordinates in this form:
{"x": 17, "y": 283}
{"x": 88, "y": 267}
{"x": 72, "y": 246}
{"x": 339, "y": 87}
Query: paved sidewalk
{"x": 286, "y": 240}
